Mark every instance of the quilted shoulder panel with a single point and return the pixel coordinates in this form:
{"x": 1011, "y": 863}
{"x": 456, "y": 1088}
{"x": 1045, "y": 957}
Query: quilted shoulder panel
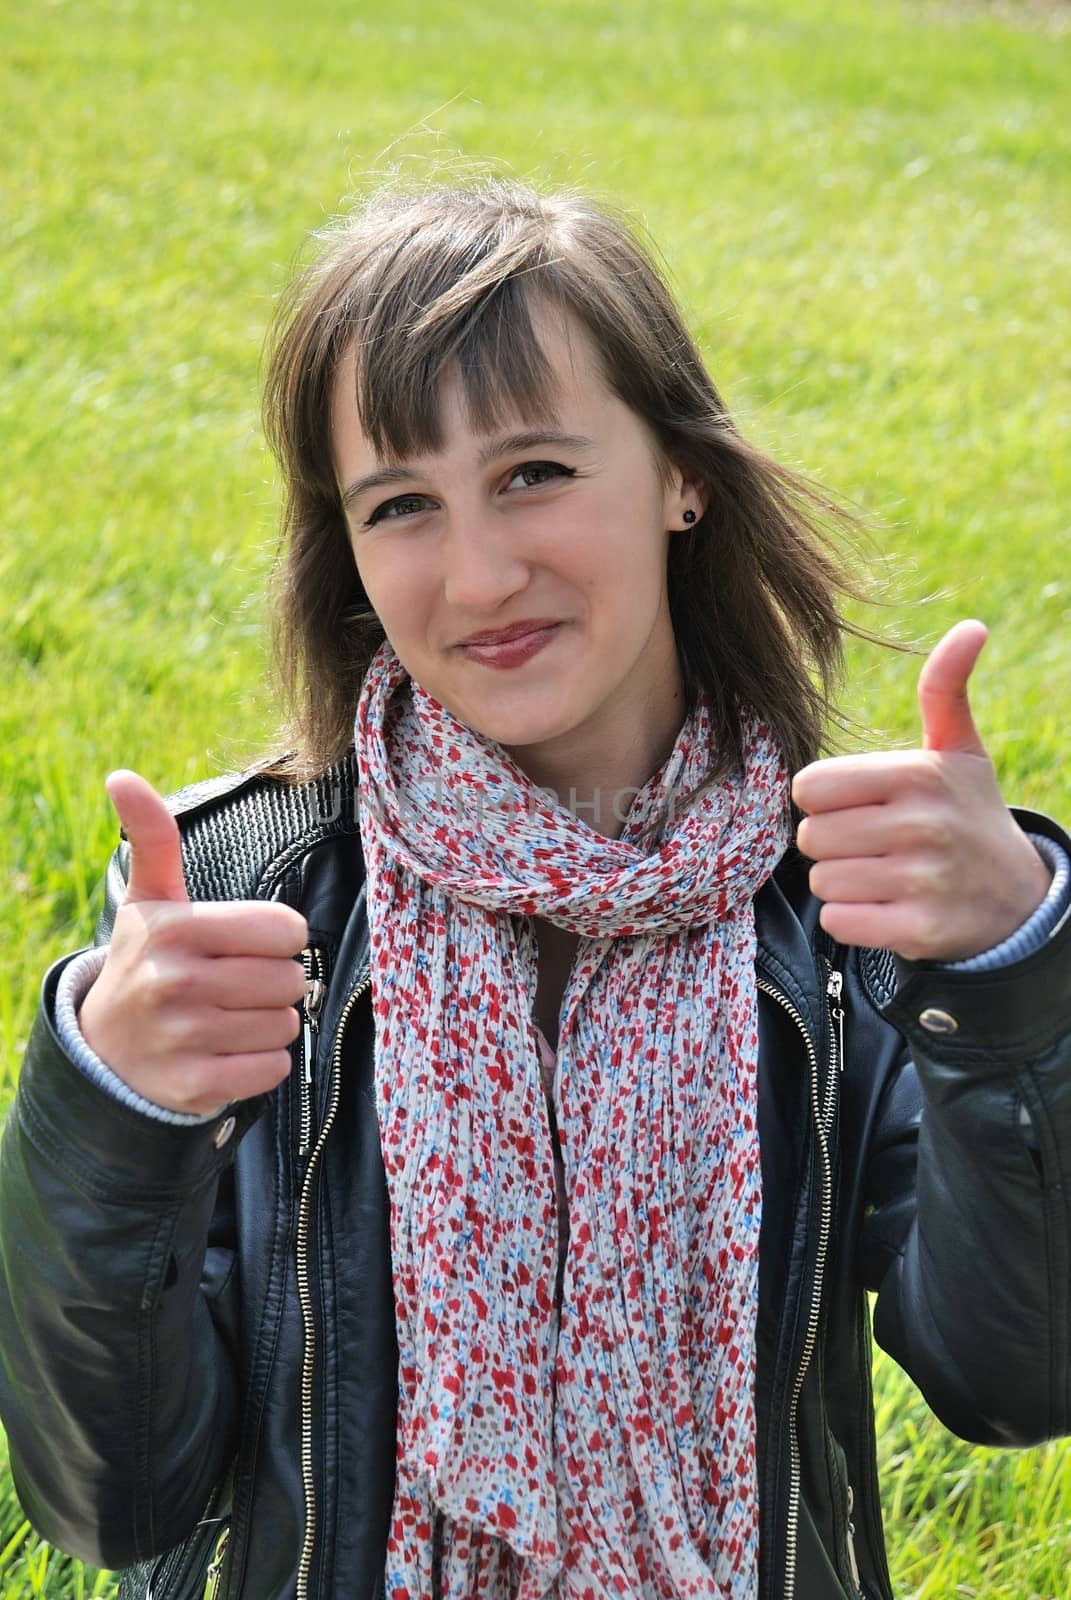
{"x": 240, "y": 834}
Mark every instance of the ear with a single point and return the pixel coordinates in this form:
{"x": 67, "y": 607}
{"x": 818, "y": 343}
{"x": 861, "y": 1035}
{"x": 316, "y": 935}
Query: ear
{"x": 683, "y": 494}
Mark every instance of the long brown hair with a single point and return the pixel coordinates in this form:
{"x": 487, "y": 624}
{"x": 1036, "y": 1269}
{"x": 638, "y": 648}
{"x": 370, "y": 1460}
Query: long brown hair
{"x": 415, "y": 283}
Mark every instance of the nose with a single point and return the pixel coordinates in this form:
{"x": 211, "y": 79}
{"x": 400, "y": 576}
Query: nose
{"x": 481, "y": 566}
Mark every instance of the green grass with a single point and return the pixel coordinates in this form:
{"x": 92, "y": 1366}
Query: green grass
{"x": 865, "y": 208}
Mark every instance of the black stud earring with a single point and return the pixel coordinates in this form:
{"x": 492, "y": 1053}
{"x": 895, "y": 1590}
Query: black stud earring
{"x": 689, "y": 516}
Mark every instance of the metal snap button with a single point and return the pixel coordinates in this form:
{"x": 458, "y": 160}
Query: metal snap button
{"x": 935, "y": 1021}
{"x": 223, "y": 1132}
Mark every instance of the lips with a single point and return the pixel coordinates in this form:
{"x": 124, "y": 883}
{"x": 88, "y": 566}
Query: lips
{"x": 515, "y": 652}
{"x": 516, "y": 630}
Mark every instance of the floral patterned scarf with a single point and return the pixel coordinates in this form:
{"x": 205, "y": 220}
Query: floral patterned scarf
{"x": 609, "y": 1447}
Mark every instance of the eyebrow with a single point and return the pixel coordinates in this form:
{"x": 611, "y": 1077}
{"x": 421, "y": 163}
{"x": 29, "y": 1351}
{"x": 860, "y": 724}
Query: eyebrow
{"x": 509, "y": 444}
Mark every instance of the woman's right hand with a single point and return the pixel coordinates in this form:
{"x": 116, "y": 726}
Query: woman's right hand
{"x": 195, "y": 1004}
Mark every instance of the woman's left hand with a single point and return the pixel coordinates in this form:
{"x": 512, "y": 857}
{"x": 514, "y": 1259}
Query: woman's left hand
{"x": 915, "y": 850}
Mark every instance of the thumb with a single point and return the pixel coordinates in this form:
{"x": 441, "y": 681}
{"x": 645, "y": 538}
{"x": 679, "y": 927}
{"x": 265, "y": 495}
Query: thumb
{"x": 155, "y": 853}
{"x": 947, "y": 723}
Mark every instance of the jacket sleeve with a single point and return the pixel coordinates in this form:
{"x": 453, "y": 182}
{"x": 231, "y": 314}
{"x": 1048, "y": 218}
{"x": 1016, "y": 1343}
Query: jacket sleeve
{"x": 118, "y": 1385}
{"x": 970, "y": 1193}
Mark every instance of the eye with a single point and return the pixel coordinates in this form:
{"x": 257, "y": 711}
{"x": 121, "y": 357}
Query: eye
{"x": 533, "y": 473}
{"x": 403, "y": 505}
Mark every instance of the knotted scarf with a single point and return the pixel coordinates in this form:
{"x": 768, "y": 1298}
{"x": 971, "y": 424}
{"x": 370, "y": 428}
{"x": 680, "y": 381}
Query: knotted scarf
{"x": 606, "y": 1448}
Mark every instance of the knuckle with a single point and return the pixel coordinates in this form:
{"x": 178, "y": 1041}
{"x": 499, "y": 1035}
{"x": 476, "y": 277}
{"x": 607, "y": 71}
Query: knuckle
{"x": 930, "y": 829}
{"x": 928, "y": 880}
{"x": 910, "y": 878}
{"x": 922, "y": 933}
{"x": 196, "y": 1030}
{"x": 910, "y": 831}
{"x": 199, "y": 1031}
{"x": 173, "y": 983}
{"x": 167, "y": 927}
{"x": 924, "y": 773}
{"x": 934, "y": 882}
{"x": 194, "y": 1084}
{"x": 202, "y": 1087}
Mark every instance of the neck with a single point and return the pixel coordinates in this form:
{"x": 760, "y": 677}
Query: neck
{"x": 598, "y": 778}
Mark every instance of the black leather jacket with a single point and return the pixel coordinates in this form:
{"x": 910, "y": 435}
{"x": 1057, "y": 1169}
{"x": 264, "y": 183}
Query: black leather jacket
{"x": 238, "y": 1400}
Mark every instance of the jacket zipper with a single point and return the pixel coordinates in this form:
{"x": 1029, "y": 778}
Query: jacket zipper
{"x": 834, "y": 992}
{"x": 215, "y": 1572}
{"x": 305, "y": 1293}
{"x": 311, "y": 1006}
{"x": 167, "y": 1571}
{"x": 834, "y": 989}
{"x": 852, "y": 1562}
{"x": 821, "y": 1115}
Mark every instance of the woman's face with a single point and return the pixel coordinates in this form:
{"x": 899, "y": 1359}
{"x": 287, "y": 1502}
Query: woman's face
{"x": 566, "y": 522}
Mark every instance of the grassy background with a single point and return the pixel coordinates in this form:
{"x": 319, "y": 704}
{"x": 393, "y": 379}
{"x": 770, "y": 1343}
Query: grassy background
{"x": 865, "y": 211}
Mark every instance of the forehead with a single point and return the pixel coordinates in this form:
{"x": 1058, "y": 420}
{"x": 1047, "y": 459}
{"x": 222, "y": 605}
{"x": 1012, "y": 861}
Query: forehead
{"x": 567, "y": 383}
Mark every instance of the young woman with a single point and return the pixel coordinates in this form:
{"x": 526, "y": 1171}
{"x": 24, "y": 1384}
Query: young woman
{"x": 514, "y": 1240}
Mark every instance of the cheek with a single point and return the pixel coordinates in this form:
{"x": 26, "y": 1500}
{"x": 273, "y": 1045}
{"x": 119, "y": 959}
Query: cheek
{"x": 634, "y": 504}
{"x": 630, "y": 549}
{"x": 392, "y": 587}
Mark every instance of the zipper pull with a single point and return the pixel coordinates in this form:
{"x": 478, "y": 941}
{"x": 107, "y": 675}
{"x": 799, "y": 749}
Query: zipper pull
{"x": 315, "y": 989}
{"x": 215, "y": 1571}
{"x": 834, "y": 989}
{"x": 311, "y": 1006}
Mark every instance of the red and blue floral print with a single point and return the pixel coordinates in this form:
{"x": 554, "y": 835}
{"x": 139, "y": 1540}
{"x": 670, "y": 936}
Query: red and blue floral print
{"x": 604, "y": 1446}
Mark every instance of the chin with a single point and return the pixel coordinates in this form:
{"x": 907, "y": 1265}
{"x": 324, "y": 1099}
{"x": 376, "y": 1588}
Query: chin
{"x": 513, "y": 732}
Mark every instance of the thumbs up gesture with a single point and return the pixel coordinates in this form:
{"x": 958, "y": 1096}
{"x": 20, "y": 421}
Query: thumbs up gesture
{"x": 195, "y": 1004}
{"x": 915, "y": 850}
